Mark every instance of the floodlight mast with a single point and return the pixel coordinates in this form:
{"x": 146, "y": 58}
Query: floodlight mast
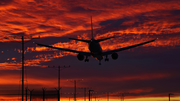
{"x": 170, "y": 95}
{"x": 75, "y": 88}
{"x": 107, "y": 96}
{"x": 22, "y": 42}
{"x": 23, "y": 65}
{"x": 22, "y": 68}
{"x": 84, "y": 91}
{"x": 59, "y": 69}
{"x": 90, "y": 94}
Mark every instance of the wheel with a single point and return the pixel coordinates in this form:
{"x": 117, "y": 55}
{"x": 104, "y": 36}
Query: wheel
{"x": 106, "y": 59}
{"x": 86, "y": 60}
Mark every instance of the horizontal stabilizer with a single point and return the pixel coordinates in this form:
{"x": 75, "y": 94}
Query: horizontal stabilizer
{"x": 99, "y": 40}
{"x": 87, "y": 41}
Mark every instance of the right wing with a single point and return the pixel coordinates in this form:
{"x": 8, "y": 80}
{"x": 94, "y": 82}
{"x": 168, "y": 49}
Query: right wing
{"x": 69, "y": 50}
{"x": 125, "y": 48}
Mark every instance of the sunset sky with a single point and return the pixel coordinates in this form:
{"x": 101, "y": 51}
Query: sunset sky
{"x": 151, "y": 71}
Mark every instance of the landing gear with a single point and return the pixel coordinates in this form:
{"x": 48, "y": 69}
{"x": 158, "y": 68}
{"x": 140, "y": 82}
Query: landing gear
{"x": 99, "y": 62}
{"x": 106, "y": 59}
{"x": 86, "y": 60}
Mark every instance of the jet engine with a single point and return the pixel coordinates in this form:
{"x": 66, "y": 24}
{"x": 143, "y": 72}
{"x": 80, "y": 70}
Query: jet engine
{"x": 114, "y": 56}
{"x": 80, "y": 57}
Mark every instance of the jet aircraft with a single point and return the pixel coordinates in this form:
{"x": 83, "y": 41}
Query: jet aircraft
{"x": 95, "y": 48}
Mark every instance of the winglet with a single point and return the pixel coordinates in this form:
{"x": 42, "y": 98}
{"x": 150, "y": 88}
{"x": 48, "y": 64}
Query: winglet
{"x": 91, "y": 28}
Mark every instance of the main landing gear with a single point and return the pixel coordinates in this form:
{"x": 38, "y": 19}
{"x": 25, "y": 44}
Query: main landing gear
{"x": 99, "y": 62}
{"x": 106, "y": 59}
{"x": 86, "y": 60}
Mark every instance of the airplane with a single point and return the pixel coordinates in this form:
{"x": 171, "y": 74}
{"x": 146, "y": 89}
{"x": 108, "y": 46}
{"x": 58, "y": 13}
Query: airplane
{"x": 95, "y": 48}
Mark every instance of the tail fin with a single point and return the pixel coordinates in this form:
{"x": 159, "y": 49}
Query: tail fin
{"x": 92, "y": 28}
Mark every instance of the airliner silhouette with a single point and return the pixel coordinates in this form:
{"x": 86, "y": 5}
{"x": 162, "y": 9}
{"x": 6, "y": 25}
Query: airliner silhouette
{"x": 95, "y": 48}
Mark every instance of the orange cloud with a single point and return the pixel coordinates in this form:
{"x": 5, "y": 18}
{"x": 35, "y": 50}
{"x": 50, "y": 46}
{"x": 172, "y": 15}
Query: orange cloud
{"x": 10, "y": 66}
{"x": 133, "y": 77}
{"x": 140, "y": 90}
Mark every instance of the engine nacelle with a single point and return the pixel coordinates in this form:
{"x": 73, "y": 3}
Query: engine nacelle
{"x": 80, "y": 57}
{"x": 114, "y": 56}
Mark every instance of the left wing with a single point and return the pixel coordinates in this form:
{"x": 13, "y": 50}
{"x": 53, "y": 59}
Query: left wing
{"x": 125, "y": 48}
{"x": 64, "y": 49}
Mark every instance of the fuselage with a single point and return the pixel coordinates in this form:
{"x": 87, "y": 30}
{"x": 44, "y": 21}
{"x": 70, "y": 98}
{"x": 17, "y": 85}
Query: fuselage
{"x": 95, "y": 49}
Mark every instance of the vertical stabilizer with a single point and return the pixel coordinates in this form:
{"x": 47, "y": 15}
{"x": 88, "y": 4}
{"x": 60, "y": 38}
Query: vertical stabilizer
{"x": 92, "y": 28}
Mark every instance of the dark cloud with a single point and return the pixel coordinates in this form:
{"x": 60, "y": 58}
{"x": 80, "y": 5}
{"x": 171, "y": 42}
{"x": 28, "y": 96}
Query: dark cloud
{"x": 175, "y": 12}
{"x": 114, "y": 22}
{"x": 112, "y": 25}
{"x": 28, "y": 16}
{"x": 5, "y": 2}
{"x": 81, "y": 9}
{"x": 53, "y": 28}
{"x": 14, "y": 22}
{"x": 40, "y": 1}
{"x": 176, "y": 26}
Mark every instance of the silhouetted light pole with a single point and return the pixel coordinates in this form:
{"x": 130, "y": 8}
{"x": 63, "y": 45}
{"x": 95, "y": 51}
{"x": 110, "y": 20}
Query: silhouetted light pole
{"x": 22, "y": 39}
{"x": 30, "y": 94}
{"x": 122, "y": 98}
{"x": 75, "y": 88}
{"x": 123, "y": 95}
{"x": 90, "y": 94}
{"x": 26, "y": 93}
{"x": 84, "y": 91}
{"x": 170, "y": 95}
{"x": 107, "y": 96}
{"x": 22, "y": 68}
{"x": 43, "y": 93}
{"x": 84, "y": 94}
{"x": 59, "y": 69}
